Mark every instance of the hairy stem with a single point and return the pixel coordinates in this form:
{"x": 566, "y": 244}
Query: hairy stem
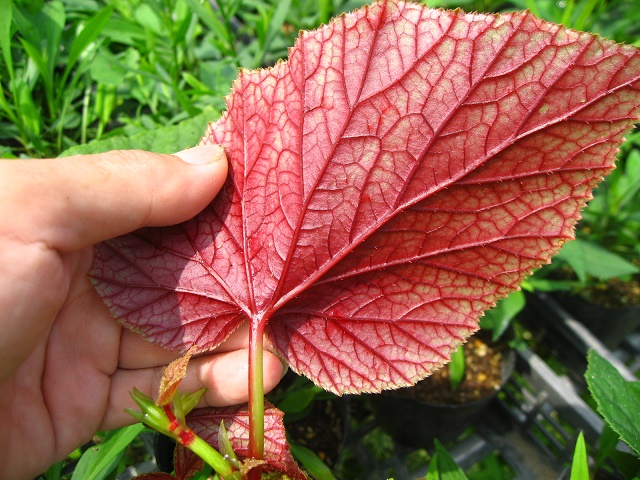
{"x": 256, "y": 392}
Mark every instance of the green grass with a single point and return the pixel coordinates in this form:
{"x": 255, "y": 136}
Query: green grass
{"x": 73, "y": 71}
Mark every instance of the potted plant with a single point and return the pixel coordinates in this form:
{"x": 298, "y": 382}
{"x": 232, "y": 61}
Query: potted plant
{"x": 442, "y": 406}
{"x": 597, "y": 277}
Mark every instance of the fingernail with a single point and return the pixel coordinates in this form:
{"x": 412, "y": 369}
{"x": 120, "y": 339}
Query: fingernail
{"x": 202, "y": 154}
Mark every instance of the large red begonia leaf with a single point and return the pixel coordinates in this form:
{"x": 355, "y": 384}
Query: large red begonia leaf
{"x": 403, "y": 170}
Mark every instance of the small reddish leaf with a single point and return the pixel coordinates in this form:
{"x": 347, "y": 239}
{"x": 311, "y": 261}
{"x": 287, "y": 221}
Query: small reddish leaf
{"x": 186, "y": 463}
{"x": 277, "y": 455}
{"x": 402, "y": 171}
{"x": 172, "y": 375}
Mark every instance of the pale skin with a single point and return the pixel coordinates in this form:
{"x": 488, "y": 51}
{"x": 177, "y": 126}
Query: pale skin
{"x": 66, "y": 366}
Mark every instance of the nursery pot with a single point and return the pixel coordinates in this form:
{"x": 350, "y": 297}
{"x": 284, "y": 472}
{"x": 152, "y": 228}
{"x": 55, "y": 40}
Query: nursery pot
{"x": 417, "y": 423}
{"x": 610, "y": 324}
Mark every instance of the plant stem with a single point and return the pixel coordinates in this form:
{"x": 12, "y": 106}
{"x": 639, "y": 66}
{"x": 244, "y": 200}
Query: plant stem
{"x": 211, "y": 456}
{"x": 256, "y": 391}
{"x": 197, "y": 445}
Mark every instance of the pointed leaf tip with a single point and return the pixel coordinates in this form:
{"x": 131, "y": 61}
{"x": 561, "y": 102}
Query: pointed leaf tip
{"x": 172, "y": 375}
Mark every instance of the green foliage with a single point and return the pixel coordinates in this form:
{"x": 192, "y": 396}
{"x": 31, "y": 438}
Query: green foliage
{"x": 161, "y": 140}
{"x": 73, "y": 71}
{"x": 580, "y": 465}
{"x": 99, "y": 461}
{"x": 500, "y": 317}
{"x": 618, "y": 400}
{"x": 492, "y": 467}
{"x": 379, "y": 444}
{"x": 627, "y": 464}
{"x": 612, "y": 218}
{"x": 616, "y": 19}
{"x": 588, "y": 260}
{"x": 297, "y": 400}
{"x": 457, "y": 367}
{"x": 105, "y": 459}
{"x": 315, "y": 467}
{"x": 443, "y": 466}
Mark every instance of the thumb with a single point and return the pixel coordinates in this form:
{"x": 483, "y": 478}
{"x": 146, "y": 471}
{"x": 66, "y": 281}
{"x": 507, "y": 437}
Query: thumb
{"x": 80, "y": 200}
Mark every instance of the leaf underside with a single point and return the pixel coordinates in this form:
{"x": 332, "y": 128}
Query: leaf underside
{"x": 402, "y": 171}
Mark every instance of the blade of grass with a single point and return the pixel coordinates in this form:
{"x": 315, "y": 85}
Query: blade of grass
{"x": 447, "y": 466}
{"x": 457, "y": 368}
{"x": 229, "y": 8}
{"x": 325, "y": 9}
{"x": 89, "y": 33}
{"x": 312, "y": 463}
{"x": 85, "y": 114}
{"x": 275, "y": 24}
{"x": 51, "y": 19}
{"x": 4, "y": 104}
{"x": 69, "y": 91}
{"x": 432, "y": 473}
{"x": 6, "y": 14}
{"x": 579, "y": 465}
{"x": 41, "y": 64}
{"x": 104, "y": 104}
{"x": 217, "y": 27}
{"x": 568, "y": 13}
{"x": 531, "y": 5}
{"x": 588, "y": 7}
{"x": 29, "y": 115}
{"x": 54, "y": 472}
{"x": 95, "y": 466}
{"x": 41, "y": 36}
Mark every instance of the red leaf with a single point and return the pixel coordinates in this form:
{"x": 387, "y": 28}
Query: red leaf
{"x": 403, "y": 170}
{"x": 172, "y": 375}
{"x": 186, "y": 463}
{"x": 277, "y": 456}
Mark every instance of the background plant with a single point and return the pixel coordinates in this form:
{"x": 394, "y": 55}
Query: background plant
{"x": 73, "y": 71}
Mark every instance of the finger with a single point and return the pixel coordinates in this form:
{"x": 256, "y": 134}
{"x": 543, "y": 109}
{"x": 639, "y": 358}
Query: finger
{"x": 136, "y": 352}
{"x": 81, "y": 200}
{"x": 225, "y": 376}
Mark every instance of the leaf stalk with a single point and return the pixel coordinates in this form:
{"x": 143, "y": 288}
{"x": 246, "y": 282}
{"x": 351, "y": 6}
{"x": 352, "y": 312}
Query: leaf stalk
{"x": 256, "y": 391}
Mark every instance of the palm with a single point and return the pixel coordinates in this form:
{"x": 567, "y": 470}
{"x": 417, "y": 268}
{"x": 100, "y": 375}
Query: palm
{"x": 58, "y": 397}
{"x": 66, "y": 367}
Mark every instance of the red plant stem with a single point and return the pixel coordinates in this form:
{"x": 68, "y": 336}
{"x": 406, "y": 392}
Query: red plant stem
{"x": 256, "y": 391}
{"x": 184, "y": 433}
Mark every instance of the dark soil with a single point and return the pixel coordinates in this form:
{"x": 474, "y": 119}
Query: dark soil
{"x": 482, "y": 377}
{"x": 321, "y": 431}
{"x": 321, "y": 427}
{"x": 615, "y": 293}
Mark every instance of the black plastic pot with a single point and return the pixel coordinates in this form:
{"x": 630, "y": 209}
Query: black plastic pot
{"x": 418, "y": 423}
{"x": 612, "y": 325}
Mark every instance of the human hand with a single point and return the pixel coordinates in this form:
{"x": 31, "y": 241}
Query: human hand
{"x": 66, "y": 366}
